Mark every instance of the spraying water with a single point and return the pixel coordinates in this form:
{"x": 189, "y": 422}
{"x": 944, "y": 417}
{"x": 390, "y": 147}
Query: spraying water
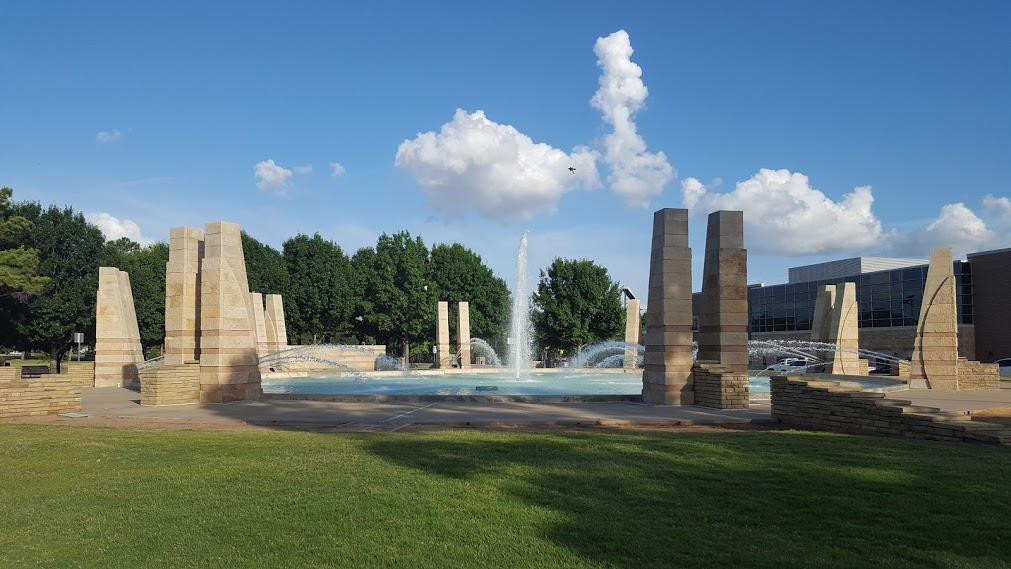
{"x": 521, "y": 313}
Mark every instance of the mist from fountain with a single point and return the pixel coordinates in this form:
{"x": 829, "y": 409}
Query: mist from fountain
{"x": 479, "y": 346}
{"x": 521, "y": 313}
{"x": 592, "y": 355}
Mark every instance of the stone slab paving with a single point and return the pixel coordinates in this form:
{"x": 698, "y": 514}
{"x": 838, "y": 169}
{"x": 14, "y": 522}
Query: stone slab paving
{"x": 110, "y": 403}
{"x": 966, "y": 400}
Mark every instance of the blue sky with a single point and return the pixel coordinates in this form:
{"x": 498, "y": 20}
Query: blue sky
{"x": 840, "y": 128}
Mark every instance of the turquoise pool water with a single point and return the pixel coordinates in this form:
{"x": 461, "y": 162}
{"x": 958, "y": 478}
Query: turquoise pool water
{"x": 576, "y": 383}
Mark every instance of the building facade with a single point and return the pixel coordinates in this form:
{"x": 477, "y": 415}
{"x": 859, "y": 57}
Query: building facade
{"x": 889, "y": 296}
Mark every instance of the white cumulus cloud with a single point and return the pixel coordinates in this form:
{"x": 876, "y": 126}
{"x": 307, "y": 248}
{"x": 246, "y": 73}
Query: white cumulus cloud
{"x": 999, "y": 206}
{"x": 784, "y": 215}
{"x": 956, "y": 226}
{"x": 272, "y": 177}
{"x": 477, "y": 163}
{"x": 636, "y": 174}
{"x": 114, "y": 228}
{"x": 303, "y": 169}
{"x": 107, "y": 136}
{"x": 337, "y": 170}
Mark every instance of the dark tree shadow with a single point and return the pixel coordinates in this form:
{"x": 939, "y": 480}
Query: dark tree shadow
{"x": 748, "y": 499}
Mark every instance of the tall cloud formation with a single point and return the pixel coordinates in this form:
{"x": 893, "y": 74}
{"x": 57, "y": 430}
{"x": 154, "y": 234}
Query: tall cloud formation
{"x": 636, "y": 174}
{"x": 499, "y": 171}
{"x": 784, "y": 215}
{"x": 114, "y": 228}
{"x": 494, "y": 168}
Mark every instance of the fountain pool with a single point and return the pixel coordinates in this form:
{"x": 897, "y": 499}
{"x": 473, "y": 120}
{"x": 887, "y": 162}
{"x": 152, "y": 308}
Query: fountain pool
{"x": 505, "y": 383}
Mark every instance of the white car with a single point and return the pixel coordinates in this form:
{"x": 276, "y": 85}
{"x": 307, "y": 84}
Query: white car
{"x": 1005, "y": 367}
{"x": 790, "y": 365}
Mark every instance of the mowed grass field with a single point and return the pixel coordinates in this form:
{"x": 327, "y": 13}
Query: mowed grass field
{"x": 91, "y": 497}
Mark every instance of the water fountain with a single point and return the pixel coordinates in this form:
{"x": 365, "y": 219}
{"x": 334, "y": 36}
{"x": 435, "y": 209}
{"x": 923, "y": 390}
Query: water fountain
{"x": 521, "y": 313}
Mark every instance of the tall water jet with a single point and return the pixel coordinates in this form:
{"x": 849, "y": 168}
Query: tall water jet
{"x": 521, "y": 312}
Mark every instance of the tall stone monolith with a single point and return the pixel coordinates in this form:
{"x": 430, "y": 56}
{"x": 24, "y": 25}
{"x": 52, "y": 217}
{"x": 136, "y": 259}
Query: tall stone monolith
{"x": 259, "y": 324}
{"x": 117, "y": 335}
{"x": 934, "y": 363}
{"x": 667, "y": 371}
{"x": 442, "y": 335}
{"x": 633, "y": 326}
{"x": 843, "y": 332}
{"x": 463, "y": 334}
{"x": 277, "y": 331}
{"x": 228, "y": 360}
{"x": 182, "y": 295}
{"x": 723, "y": 316}
{"x": 821, "y": 324}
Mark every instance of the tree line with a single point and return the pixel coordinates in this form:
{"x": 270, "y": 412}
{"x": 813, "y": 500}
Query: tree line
{"x": 386, "y": 294}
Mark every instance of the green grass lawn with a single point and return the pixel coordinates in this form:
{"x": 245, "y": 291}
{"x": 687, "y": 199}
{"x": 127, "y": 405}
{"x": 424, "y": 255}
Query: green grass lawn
{"x": 83, "y": 497}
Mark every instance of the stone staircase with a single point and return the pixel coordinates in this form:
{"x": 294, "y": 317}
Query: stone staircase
{"x": 827, "y": 405}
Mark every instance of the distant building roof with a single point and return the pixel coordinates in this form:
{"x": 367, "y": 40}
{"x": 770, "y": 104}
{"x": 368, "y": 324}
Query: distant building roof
{"x": 848, "y": 267}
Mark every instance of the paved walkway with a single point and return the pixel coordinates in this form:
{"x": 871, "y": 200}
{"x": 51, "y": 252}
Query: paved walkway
{"x": 973, "y": 400}
{"x": 112, "y": 403}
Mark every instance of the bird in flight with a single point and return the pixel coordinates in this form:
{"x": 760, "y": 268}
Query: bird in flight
{"x": 571, "y": 169}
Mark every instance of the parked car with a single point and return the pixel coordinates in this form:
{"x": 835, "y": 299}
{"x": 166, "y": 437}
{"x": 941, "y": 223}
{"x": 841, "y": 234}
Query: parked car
{"x": 1005, "y": 367}
{"x": 790, "y": 365}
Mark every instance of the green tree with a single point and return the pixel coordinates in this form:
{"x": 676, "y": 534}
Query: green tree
{"x": 318, "y": 302}
{"x": 266, "y": 268}
{"x": 146, "y": 267}
{"x": 576, "y": 304}
{"x": 461, "y": 276}
{"x": 398, "y": 293}
{"x": 19, "y": 278}
{"x": 69, "y": 252}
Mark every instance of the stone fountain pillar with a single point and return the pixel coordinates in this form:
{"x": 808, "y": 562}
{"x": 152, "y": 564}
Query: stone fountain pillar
{"x": 821, "y": 325}
{"x": 723, "y": 317}
{"x": 182, "y": 296}
{"x": 667, "y": 373}
{"x": 935, "y": 350}
{"x": 259, "y": 324}
{"x": 228, "y": 362}
{"x": 442, "y": 335}
{"x": 633, "y": 326}
{"x": 117, "y": 336}
{"x": 844, "y": 334}
{"x": 463, "y": 334}
{"x": 277, "y": 332}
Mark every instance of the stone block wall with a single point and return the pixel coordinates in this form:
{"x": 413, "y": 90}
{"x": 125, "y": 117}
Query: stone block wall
{"x": 935, "y": 349}
{"x": 975, "y": 375}
{"x": 358, "y": 358}
{"x": 442, "y": 355}
{"x": 32, "y": 397}
{"x": 718, "y": 387}
{"x": 826, "y": 406}
{"x": 81, "y": 374}
{"x": 170, "y": 385}
{"x": 723, "y": 314}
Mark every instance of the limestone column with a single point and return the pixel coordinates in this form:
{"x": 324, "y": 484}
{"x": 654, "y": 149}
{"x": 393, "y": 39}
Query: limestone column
{"x": 117, "y": 336}
{"x": 463, "y": 334}
{"x": 228, "y": 362}
{"x": 182, "y": 295}
{"x": 844, "y": 333}
{"x": 260, "y": 324}
{"x": 723, "y": 316}
{"x": 821, "y": 324}
{"x": 667, "y": 373}
{"x": 277, "y": 332}
{"x": 632, "y": 328}
{"x": 442, "y": 335}
{"x": 935, "y": 349}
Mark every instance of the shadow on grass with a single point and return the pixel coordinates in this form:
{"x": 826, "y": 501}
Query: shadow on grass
{"x": 755, "y": 499}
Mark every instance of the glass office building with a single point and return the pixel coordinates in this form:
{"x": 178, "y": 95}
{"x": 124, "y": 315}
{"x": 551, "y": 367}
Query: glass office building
{"x": 886, "y": 299}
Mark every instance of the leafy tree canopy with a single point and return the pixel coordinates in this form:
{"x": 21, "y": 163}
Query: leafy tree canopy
{"x": 318, "y": 302}
{"x": 577, "y": 304}
{"x": 461, "y": 276}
